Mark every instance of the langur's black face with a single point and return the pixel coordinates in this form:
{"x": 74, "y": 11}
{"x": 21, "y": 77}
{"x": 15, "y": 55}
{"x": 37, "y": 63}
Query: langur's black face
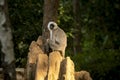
{"x": 52, "y": 26}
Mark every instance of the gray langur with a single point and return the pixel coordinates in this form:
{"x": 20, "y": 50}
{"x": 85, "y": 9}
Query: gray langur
{"x": 58, "y": 38}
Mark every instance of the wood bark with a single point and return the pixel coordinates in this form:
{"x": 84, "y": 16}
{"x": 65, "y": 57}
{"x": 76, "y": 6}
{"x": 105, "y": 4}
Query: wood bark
{"x": 50, "y": 14}
{"x": 40, "y": 66}
{"x": 67, "y": 69}
{"x": 82, "y": 75}
{"x": 34, "y": 50}
{"x": 77, "y": 39}
{"x": 7, "y": 55}
{"x": 55, "y": 59}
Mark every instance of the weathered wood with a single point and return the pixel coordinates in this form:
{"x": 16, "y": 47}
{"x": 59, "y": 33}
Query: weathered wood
{"x": 42, "y": 67}
{"x": 67, "y": 69}
{"x": 55, "y": 59}
{"x": 82, "y": 75}
{"x": 19, "y": 74}
{"x": 34, "y": 51}
{"x": 40, "y": 42}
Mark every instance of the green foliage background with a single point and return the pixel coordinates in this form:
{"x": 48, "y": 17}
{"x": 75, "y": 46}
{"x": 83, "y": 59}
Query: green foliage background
{"x": 100, "y": 28}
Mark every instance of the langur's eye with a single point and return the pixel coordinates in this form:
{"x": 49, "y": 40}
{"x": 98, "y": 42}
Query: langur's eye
{"x": 52, "y": 26}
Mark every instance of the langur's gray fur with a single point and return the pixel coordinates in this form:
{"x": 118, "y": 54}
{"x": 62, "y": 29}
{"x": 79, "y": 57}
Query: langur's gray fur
{"x": 58, "y": 38}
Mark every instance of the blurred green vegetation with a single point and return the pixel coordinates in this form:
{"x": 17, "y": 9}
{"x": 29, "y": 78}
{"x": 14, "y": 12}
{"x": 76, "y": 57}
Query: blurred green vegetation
{"x": 100, "y": 28}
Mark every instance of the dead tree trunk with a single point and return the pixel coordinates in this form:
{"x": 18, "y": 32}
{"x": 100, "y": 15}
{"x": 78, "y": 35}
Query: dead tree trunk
{"x": 67, "y": 69}
{"x": 34, "y": 50}
{"x": 40, "y": 66}
{"x": 7, "y": 55}
{"x": 54, "y": 65}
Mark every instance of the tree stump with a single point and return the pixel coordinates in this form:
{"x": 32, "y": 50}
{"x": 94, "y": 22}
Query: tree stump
{"x": 82, "y": 75}
{"x": 55, "y": 59}
{"x": 67, "y": 69}
{"x": 40, "y": 66}
{"x": 34, "y": 50}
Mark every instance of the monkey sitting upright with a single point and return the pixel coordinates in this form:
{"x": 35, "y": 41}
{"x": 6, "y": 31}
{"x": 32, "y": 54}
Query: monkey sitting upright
{"x": 58, "y": 38}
